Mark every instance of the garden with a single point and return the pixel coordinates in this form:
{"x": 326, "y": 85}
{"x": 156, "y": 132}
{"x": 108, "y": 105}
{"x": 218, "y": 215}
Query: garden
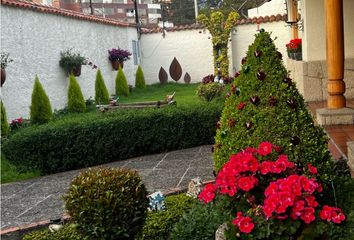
{"x": 275, "y": 177}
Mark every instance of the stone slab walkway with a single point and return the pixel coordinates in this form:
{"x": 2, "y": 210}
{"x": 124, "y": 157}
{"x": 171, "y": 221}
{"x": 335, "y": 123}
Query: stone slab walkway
{"x": 39, "y": 199}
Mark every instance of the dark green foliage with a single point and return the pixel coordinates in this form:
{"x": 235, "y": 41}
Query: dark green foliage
{"x": 76, "y": 101}
{"x": 5, "y": 127}
{"x": 209, "y": 91}
{"x": 199, "y": 224}
{"x": 41, "y": 111}
{"x": 160, "y": 223}
{"x": 101, "y": 92}
{"x": 139, "y": 78}
{"x": 278, "y": 113}
{"x": 92, "y": 139}
{"x": 121, "y": 83}
{"x": 67, "y": 232}
{"x": 108, "y": 203}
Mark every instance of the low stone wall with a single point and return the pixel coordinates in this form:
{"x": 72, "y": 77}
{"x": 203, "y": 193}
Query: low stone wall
{"x": 351, "y": 157}
{"x": 311, "y": 78}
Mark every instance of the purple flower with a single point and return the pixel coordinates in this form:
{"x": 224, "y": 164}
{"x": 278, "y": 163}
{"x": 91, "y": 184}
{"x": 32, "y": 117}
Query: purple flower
{"x": 119, "y": 54}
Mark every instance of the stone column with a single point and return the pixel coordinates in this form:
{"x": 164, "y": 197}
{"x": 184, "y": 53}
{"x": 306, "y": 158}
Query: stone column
{"x": 335, "y": 53}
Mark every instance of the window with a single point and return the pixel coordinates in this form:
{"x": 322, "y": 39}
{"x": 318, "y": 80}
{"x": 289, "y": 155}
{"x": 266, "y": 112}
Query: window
{"x": 136, "y": 53}
{"x": 119, "y": 10}
{"x": 117, "y": 1}
{"x": 154, "y": 10}
{"x": 108, "y": 11}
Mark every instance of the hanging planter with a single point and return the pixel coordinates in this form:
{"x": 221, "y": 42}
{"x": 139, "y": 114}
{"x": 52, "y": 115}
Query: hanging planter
{"x": 298, "y": 56}
{"x": 72, "y": 62}
{"x": 116, "y": 64}
{"x": 5, "y": 60}
{"x": 118, "y": 57}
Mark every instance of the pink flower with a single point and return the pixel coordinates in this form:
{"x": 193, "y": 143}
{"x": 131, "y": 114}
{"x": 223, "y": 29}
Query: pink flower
{"x": 312, "y": 169}
{"x": 264, "y": 148}
{"x": 208, "y": 193}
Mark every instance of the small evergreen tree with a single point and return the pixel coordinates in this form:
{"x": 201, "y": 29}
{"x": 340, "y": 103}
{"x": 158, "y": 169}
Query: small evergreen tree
{"x": 40, "y": 110}
{"x": 265, "y": 105}
{"x": 5, "y": 128}
{"x": 139, "y": 78}
{"x": 101, "y": 92}
{"x": 76, "y": 101}
{"x": 121, "y": 84}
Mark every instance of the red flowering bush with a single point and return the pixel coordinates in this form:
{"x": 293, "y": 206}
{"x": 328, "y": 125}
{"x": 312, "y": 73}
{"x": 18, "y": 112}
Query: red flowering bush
{"x": 19, "y": 123}
{"x": 265, "y": 186}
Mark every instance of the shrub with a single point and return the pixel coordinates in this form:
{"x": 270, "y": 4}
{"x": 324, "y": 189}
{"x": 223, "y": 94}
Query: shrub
{"x": 108, "y": 203}
{"x": 139, "y": 78}
{"x": 265, "y": 105}
{"x": 159, "y": 224}
{"x": 90, "y": 139}
{"x": 199, "y": 224}
{"x": 5, "y": 128}
{"x": 121, "y": 83}
{"x": 209, "y": 91}
{"x": 76, "y": 101}
{"x": 67, "y": 232}
{"x": 101, "y": 92}
{"x": 208, "y": 79}
{"x": 41, "y": 111}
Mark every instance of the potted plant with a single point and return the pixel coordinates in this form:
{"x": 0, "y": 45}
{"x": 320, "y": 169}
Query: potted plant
{"x": 294, "y": 49}
{"x": 118, "y": 57}
{"x": 71, "y": 62}
{"x": 5, "y": 60}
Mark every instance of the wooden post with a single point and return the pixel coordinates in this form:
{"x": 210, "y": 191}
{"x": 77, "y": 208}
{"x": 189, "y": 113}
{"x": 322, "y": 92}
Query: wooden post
{"x": 295, "y": 31}
{"x": 335, "y": 53}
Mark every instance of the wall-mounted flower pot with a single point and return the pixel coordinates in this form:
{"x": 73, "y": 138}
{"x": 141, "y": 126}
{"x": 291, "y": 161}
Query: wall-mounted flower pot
{"x": 116, "y": 64}
{"x": 3, "y": 76}
{"x": 76, "y": 70}
{"x": 298, "y": 56}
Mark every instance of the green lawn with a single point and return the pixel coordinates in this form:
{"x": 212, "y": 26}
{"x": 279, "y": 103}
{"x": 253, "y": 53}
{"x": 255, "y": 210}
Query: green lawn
{"x": 185, "y": 93}
{"x": 9, "y": 172}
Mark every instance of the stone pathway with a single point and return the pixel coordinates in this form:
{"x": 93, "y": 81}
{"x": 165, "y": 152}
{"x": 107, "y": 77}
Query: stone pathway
{"x": 39, "y": 199}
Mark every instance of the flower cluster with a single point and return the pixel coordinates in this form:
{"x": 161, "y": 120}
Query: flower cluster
{"x": 118, "y": 54}
{"x": 208, "y": 79}
{"x": 18, "y": 123}
{"x": 295, "y": 45}
{"x": 290, "y": 196}
{"x": 245, "y": 224}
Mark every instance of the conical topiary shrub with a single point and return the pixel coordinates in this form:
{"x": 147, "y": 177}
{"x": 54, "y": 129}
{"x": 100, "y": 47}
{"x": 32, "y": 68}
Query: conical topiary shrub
{"x": 76, "y": 101}
{"x": 101, "y": 92}
{"x": 265, "y": 105}
{"x": 5, "y": 128}
{"x": 40, "y": 110}
{"x": 139, "y": 78}
{"x": 121, "y": 83}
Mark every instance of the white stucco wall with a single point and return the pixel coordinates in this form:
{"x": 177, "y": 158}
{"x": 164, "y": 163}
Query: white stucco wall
{"x": 34, "y": 41}
{"x": 273, "y": 7}
{"x": 245, "y": 35}
{"x": 192, "y": 48}
{"x": 314, "y": 38}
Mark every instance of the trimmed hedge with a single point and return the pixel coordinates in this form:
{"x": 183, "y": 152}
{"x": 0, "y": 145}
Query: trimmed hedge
{"x": 76, "y": 101}
{"x": 101, "y": 92}
{"x": 40, "y": 109}
{"x": 122, "y": 87}
{"x": 67, "y": 232}
{"x": 5, "y": 127}
{"x": 90, "y": 139}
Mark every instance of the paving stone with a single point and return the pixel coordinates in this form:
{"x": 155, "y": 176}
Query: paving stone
{"x": 40, "y": 198}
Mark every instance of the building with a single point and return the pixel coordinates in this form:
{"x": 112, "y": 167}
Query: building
{"x": 122, "y": 10}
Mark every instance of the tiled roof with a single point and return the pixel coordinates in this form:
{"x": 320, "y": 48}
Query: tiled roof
{"x": 265, "y": 19}
{"x": 63, "y": 12}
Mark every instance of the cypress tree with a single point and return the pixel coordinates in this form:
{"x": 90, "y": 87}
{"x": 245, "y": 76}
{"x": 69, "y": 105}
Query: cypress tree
{"x": 139, "y": 78}
{"x": 121, "y": 83}
{"x": 76, "y": 101}
{"x": 5, "y": 128}
{"x": 40, "y": 110}
{"x": 265, "y": 105}
{"x": 101, "y": 92}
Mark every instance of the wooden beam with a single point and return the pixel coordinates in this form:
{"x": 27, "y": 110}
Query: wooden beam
{"x": 295, "y": 31}
{"x": 335, "y": 53}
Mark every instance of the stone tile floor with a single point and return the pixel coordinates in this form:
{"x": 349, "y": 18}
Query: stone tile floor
{"x": 339, "y": 134}
{"x": 40, "y": 198}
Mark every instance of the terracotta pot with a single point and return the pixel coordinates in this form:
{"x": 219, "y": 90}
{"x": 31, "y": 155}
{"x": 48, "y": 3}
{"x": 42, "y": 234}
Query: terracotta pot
{"x": 3, "y": 76}
{"x": 116, "y": 64}
{"x": 76, "y": 70}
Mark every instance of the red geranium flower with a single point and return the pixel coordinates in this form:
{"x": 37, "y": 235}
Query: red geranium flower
{"x": 241, "y": 105}
{"x": 208, "y": 193}
{"x": 312, "y": 169}
{"x": 264, "y": 148}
